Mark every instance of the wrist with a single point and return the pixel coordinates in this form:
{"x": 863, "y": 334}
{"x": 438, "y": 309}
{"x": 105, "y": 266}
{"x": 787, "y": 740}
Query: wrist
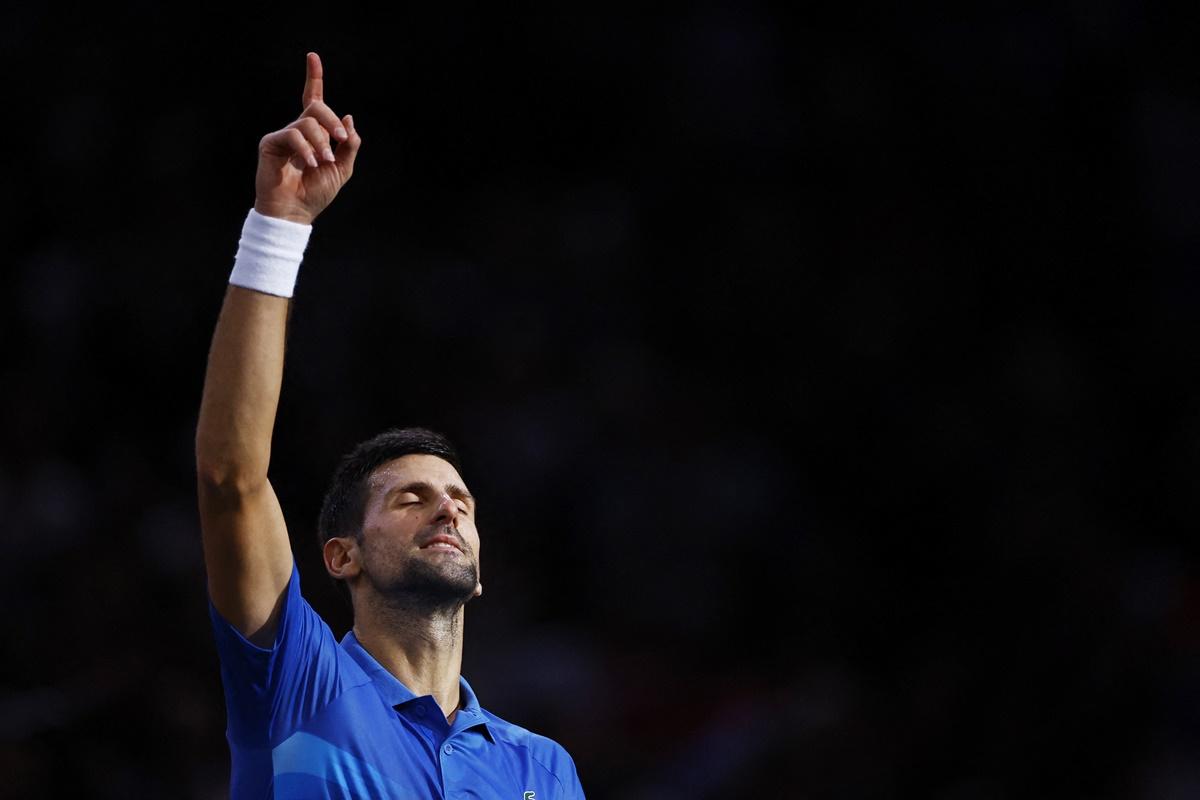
{"x": 269, "y": 254}
{"x": 289, "y": 212}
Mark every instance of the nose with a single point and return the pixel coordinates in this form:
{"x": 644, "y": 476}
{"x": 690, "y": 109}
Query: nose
{"x": 446, "y": 512}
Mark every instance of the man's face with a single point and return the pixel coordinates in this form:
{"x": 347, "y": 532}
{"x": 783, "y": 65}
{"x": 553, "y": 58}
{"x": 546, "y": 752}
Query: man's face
{"x": 419, "y": 544}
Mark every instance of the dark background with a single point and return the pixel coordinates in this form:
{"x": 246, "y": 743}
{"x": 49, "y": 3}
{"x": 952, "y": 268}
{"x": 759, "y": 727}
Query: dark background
{"x": 829, "y": 383}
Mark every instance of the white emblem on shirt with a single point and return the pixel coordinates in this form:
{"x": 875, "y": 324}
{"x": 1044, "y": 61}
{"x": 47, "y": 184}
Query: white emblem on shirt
{"x": 529, "y": 796}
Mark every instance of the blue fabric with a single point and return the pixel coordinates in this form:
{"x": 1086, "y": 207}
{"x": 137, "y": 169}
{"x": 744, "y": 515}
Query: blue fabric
{"x": 314, "y": 718}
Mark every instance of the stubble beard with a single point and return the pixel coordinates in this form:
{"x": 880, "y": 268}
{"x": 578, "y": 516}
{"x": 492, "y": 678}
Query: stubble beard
{"x": 429, "y": 584}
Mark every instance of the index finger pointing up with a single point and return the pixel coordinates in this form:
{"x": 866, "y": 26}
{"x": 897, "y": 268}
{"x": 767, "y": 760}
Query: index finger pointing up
{"x": 314, "y": 84}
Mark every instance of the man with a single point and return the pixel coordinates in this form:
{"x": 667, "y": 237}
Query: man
{"x": 385, "y": 712}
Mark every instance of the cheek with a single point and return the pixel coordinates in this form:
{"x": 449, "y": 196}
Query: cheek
{"x": 377, "y": 545}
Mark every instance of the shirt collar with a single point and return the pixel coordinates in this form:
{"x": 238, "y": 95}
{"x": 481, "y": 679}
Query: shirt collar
{"x": 395, "y": 693}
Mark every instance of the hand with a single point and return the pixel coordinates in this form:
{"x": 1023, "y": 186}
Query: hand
{"x": 299, "y": 171}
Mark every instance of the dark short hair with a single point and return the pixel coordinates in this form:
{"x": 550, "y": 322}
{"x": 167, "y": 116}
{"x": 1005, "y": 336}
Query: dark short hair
{"x": 345, "y": 502}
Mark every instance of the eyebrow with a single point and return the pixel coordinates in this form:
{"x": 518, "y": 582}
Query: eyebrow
{"x": 417, "y": 487}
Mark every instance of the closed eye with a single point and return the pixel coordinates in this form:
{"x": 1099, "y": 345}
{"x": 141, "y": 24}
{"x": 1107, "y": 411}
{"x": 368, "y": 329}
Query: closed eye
{"x": 419, "y": 491}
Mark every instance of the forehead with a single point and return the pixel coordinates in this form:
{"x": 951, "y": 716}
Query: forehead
{"x": 415, "y": 468}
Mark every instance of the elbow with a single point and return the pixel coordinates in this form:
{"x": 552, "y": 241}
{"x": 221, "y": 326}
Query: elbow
{"x": 220, "y": 474}
{"x": 224, "y": 479}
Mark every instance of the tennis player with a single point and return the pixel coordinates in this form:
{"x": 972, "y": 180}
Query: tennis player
{"x": 385, "y": 712}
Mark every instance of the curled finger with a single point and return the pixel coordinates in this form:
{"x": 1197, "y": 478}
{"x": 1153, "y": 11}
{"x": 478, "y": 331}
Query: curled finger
{"x": 289, "y": 144}
{"x": 316, "y": 135}
{"x": 328, "y": 120}
{"x": 348, "y": 150}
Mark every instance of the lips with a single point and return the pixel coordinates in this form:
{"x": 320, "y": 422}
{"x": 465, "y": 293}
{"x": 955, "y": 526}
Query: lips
{"x": 441, "y": 541}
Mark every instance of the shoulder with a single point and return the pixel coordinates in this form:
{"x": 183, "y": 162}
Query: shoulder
{"x": 543, "y": 750}
{"x": 272, "y": 690}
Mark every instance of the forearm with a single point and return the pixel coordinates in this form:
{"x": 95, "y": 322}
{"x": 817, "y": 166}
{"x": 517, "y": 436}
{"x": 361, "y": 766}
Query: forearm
{"x": 241, "y": 391}
{"x": 245, "y": 368}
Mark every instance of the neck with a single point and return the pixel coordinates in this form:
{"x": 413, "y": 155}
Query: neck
{"x": 421, "y": 647}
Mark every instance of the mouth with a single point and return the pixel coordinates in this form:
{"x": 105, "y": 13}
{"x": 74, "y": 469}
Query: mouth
{"x": 443, "y": 543}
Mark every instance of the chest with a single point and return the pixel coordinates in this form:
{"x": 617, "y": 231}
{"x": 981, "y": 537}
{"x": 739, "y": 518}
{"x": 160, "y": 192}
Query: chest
{"x": 359, "y": 747}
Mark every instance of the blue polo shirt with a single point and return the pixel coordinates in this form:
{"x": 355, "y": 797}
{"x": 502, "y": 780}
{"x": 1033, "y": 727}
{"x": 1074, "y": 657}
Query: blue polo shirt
{"x": 314, "y": 718}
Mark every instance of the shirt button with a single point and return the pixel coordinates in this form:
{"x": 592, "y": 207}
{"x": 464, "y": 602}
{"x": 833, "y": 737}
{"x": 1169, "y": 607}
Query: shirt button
{"x": 448, "y": 749}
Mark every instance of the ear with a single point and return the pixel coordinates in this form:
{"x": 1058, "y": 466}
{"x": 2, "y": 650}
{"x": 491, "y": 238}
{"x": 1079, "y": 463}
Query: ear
{"x": 341, "y": 557}
{"x": 478, "y": 589}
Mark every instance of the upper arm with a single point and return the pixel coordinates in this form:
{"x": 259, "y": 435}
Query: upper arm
{"x": 247, "y": 555}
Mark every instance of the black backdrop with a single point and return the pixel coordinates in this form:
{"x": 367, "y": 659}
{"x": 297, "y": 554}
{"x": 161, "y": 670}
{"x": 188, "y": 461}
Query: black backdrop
{"x": 829, "y": 383}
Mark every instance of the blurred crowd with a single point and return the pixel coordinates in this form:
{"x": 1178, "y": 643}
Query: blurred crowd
{"x": 828, "y": 385}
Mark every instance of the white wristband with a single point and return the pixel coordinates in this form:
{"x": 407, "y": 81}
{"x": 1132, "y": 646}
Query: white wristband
{"x": 269, "y": 254}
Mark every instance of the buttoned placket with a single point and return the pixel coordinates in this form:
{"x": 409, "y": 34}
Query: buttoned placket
{"x": 428, "y": 721}
{"x": 446, "y": 741}
{"x": 454, "y": 748}
{"x": 423, "y": 714}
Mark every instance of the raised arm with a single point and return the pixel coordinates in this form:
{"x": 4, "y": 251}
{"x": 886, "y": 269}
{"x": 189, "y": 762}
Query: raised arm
{"x": 301, "y": 168}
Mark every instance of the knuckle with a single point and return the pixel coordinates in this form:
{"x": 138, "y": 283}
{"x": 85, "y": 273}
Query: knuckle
{"x": 313, "y": 129}
{"x": 321, "y": 114}
{"x": 273, "y": 139}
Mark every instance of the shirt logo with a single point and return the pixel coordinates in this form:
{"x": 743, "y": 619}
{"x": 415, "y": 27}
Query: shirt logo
{"x": 529, "y": 796}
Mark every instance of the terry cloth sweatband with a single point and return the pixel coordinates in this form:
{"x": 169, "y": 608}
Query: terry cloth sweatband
{"x": 269, "y": 254}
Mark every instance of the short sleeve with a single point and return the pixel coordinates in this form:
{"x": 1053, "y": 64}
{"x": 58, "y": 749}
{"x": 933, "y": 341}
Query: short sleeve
{"x": 571, "y": 782}
{"x": 269, "y": 693}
